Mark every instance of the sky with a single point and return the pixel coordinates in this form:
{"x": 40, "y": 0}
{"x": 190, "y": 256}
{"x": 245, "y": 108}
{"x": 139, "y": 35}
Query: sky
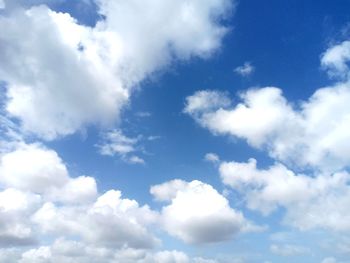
{"x": 188, "y": 131}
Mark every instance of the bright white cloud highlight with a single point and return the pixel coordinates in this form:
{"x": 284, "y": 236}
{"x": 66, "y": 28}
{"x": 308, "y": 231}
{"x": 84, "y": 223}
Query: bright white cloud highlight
{"x": 197, "y": 213}
{"x": 39, "y": 170}
{"x": 99, "y": 66}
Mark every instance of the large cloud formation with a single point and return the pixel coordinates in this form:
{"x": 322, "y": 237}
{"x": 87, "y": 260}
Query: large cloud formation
{"x": 61, "y": 75}
{"x": 40, "y": 201}
{"x": 311, "y": 134}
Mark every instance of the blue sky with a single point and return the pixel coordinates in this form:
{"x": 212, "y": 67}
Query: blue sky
{"x": 174, "y": 131}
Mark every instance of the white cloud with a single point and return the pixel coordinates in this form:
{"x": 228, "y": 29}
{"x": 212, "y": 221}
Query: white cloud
{"x": 99, "y": 65}
{"x": 312, "y": 133}
{"x": 316, "y": 135}
{"x": 33, "y": 168}
{"x": 206, "y": 101}
{"x": 91, "y": 91}
{"x": 41, "y": 199}
{"x": 109, "y": 222}
{"x": 310, "y": 202}
{"x": 336, "y": 59}
{"x": 168, "y": 191}
{"x": 198, "y": 213}
{"x": 212, "y": 157}
{"x": 137, "y": 160}
{"x": 64, "y": 251}
{"x": 15, "y": 209}
{"x": 245, "y": 70}
{"x": 2, "y": 4}
{"x": 116, "y": 143}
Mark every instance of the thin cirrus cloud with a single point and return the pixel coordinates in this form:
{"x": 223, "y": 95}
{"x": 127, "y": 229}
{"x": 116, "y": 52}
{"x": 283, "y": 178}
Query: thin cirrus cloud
{"x": 100, "y": 65}
{"x": 115, "y": 142}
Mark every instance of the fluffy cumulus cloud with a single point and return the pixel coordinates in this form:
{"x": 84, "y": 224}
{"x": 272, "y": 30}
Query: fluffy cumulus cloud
{"x": 36, "y": 169}
{"x": 99, "y": 65}
{"x": 39, "y": 199}
{"x": 197, "y": 213}
{"x": 311, "y": 136}
{"x": 313, "y": 133}
{"x": 310, "y": 202}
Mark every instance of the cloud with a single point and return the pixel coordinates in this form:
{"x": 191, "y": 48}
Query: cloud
{"x": 329, "y": 260}
{"x": 68, "y": 251}
{"x": 15, "y": 208}
{"x": 93, "y": 223}
{"x": 313, "y": 135}
{"x": 136, "y": 160}
{"x": 116, "y": 143}
{"x": 245, "y": 70}
{"x": 197, "y": 213}
{"x": 287, "y": 250}
{"x": 211, "y": 157}
{"x": 206, "y": 101}
{"x": 64, "y": 251}
{"x": 100, "y": 65}
{"x": 335, "y": 59}
{"x": 34, "y": 168}
{"x": 310, "y": 136}
{"x": 41, "y": 199}
{"x": 310, "y": 202}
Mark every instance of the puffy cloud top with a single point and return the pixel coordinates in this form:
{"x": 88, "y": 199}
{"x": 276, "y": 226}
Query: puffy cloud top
{"x": 198, "y": 213}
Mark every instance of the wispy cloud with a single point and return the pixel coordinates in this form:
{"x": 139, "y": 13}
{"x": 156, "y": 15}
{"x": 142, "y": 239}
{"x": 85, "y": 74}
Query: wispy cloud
{"x": 245, "y": 70}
